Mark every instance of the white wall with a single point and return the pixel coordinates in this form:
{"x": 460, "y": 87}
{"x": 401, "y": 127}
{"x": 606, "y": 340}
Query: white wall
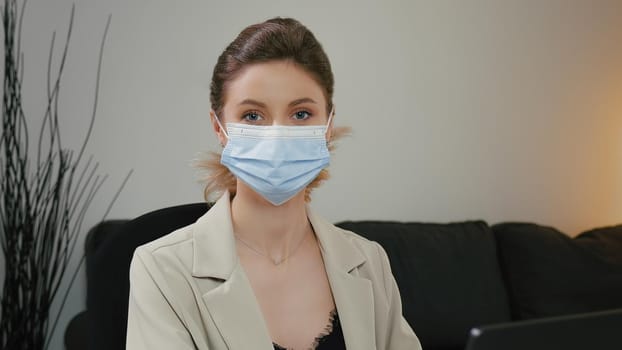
{"x": 482, "y": 109}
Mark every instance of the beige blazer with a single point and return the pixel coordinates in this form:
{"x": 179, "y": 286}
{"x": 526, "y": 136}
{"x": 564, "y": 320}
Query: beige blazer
{"x": 189, "y": 291}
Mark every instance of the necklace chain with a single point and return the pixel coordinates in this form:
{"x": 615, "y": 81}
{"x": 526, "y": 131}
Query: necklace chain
{"x": 276, "y": 262}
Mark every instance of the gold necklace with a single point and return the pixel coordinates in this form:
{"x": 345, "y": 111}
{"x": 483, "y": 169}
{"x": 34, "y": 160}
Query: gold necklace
{"x": 276, "y": 262}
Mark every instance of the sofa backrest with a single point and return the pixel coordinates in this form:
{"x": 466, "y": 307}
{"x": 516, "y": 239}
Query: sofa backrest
{"x": 548, "y": 273}
{"x": 448, "y": 276}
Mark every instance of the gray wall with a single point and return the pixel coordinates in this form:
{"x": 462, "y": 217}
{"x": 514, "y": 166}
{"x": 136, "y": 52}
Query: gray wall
{"x": 494, "y": 110}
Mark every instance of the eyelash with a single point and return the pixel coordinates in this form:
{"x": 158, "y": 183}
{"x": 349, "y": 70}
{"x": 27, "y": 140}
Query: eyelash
{"x": 260, "y": 117}
{"x": 309, "y": 114}
{"x": 246, "y": 114}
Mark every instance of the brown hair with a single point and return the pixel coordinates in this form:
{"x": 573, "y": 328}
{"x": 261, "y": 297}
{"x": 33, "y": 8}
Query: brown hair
{"x": 274, "y": 39}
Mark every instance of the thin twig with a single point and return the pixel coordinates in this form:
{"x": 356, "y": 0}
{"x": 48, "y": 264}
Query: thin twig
{"x": 41, "y": 213}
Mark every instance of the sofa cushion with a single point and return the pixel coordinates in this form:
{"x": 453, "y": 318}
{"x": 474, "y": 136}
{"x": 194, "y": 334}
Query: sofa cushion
{"x": 549, "y": 273}
{"x": 447, "y": 274}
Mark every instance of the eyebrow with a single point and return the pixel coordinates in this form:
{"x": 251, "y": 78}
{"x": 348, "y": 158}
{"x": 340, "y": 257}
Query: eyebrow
{"x": 301, "y": 101}
{"x": 248, "y": 101}
{"x": 296, "y": 102}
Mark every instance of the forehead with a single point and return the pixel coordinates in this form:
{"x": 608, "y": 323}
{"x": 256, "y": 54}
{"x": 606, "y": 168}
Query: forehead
{"x": 274, "y": 82}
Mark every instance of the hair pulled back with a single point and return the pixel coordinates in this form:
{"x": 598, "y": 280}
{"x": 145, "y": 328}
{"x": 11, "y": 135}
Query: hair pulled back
{"x": 272, "y": 40}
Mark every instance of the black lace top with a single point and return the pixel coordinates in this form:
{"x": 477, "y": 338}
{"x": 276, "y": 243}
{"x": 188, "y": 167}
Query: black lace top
{"x": 330, "y": 339}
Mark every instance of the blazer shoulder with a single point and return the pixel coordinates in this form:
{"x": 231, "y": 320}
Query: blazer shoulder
{"x": 370, "y": 249}
{"x": 352, "y": 236}
{"x": 172, "y": 249}
{"x": 169, "y": 240}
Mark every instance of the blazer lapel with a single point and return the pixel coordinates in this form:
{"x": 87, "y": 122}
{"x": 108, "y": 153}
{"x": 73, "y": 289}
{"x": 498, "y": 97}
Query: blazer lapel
{"x": 237, "y": 315}
{"x": 353, "y": 295}
{"x": 232, "y": 305}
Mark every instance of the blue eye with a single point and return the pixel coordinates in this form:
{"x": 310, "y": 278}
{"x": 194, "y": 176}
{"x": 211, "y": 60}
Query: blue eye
{"x": 252, "y": 117}
{"x": 301, "y": 115}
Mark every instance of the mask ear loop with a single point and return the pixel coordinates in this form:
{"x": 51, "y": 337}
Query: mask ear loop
{"x": 221, "y": 128}
{"x": 330, "y": 119}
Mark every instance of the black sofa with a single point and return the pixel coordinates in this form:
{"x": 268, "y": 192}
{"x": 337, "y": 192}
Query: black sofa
{"x": 452, "y": 276}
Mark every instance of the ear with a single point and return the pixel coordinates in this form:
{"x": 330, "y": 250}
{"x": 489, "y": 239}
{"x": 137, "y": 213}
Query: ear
{"x": 222, "y": 139}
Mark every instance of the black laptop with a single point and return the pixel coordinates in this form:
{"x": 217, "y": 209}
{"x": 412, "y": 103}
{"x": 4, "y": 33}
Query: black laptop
{"x": 589, "y": 331}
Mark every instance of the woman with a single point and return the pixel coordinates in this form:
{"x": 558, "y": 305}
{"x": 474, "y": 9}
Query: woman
{"x": 260, "y": 270}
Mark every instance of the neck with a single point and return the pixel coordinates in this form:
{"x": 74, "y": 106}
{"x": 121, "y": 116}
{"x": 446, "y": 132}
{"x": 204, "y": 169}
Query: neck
{"x": 272, "y": 229}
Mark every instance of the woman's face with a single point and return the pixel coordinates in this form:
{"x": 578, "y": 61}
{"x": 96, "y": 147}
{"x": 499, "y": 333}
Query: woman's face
{"x": 273, "y": 93}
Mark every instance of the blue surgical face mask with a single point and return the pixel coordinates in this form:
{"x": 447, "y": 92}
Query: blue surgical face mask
{"x": 276, "y": 161}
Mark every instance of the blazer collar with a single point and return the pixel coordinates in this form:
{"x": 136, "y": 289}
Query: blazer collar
{"x": 335, "y": 246}
{"x": 214, "y": 243}
{"x": 353, "y": 295}
{"x": 233, "y": 305}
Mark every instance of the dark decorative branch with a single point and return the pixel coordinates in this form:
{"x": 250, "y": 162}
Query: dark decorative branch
{"x": 41, "y": 211}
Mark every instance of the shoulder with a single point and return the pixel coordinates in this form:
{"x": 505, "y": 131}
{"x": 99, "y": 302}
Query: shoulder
{"x": 375, "y": 262}
{"x": 174, "y": 248}
{"x": 169, "y": 241}
{"x": 165, "y": 266}
{"x": 348, "y": 249}
{"x": 369, "y": 248}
